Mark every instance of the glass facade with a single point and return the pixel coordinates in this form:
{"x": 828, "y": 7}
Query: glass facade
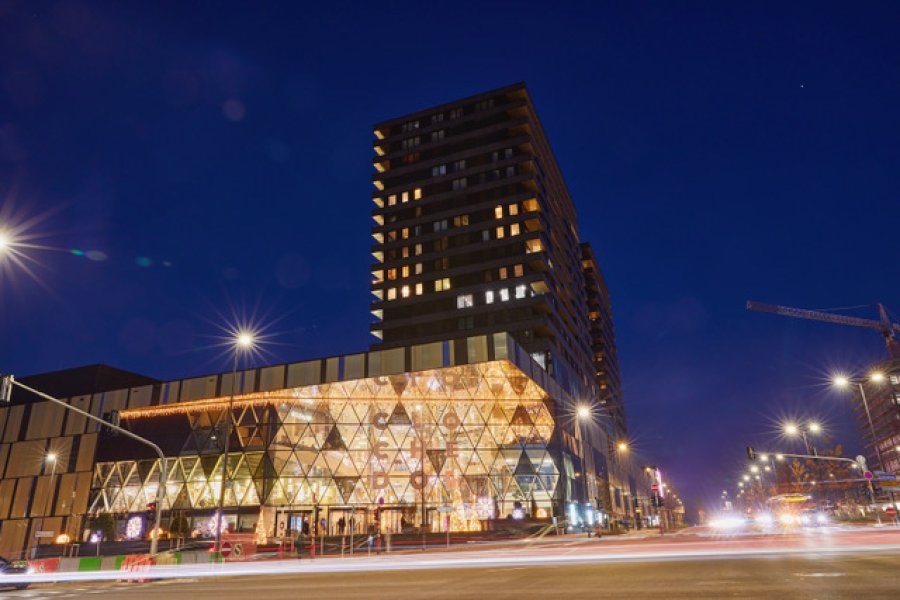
{"x": 475, "y": 438}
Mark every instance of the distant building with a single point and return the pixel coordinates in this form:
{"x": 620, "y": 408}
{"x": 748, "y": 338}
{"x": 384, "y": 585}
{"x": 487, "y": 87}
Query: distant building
{"x": 883, "y": 399}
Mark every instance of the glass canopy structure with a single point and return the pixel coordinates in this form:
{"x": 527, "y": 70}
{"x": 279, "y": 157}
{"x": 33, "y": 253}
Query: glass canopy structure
{"x": 475, "y": 440}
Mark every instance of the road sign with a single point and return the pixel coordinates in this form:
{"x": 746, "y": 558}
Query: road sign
{"x": 882, "y": 476}
{"x": 43, "y": 534}
{"x": 226, "y": 549}
{"x": 869, "y": 475}
{"x": 654, "y": 487}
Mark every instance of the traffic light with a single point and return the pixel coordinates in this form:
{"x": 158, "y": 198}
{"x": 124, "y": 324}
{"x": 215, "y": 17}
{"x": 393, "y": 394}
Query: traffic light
{"x": 151, "y": 511}
{"x": 6, "y": 386}
{"x": 751, "y": 453}
{"x": 112, "y": 417}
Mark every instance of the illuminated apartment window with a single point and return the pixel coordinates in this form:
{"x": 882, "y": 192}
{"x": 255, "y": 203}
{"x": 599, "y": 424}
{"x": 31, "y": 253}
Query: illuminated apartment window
{"x": 404, "y": 197}
{"x": 513, "y": 209}
{"x": 518, "y": 270}
{"x": 500, "y": 233}
{"x": 440, "y": 225}
{"x": 404, "y": 291}
{"x": 417, "y": 194}
{"x": 498, "y": 212}
{"x": 392, "y": 235}
{"x": 460, "y": 220}
{"x": 520, "y": 291}
{"x": 438, "y": 170}
{"x": 533, "y": 246}
{"x": 404, "y": 271}
{"x": 504, "y": 295}
{"x": 392, "y": 199}
{"x": 392, "y": 274}
{"x": 459, "y": 165}
{"x": 489, "y": 297}
{"x": 503, "y": 273}
{"x": 418, "y": 249}
{"x": 530, "y": 205}
{"x": 418, "y": 268}
{"x": 392, "y": 294}
{"x": 404, "y": 233}
{"x": 465, "y": 301}
{"x": 442, "y": 285}
{"x": 404, "y": 251}
{"x": 419, "y": 289}
{"x": 410, "y": 126}
{"x": 514, "y": 229}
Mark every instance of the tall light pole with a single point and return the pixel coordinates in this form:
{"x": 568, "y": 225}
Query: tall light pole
{"x": 51, "y": 459}
{"x": 845, "y": 382}
{"x": 584, "y": 414}
{"x": 242, "y": 341}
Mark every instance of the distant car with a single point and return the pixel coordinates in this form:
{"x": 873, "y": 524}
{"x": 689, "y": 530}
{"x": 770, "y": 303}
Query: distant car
{"x": 9, "y": 568}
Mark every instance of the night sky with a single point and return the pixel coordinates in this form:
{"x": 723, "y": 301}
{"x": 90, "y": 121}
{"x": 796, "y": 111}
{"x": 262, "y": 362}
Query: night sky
{"x": 211, "y": 159}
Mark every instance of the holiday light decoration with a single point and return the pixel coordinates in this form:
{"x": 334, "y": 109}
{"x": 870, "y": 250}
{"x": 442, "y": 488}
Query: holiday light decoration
{"x": 474, "y": 437}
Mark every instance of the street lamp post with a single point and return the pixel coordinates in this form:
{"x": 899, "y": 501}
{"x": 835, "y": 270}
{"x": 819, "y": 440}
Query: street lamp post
{"x": 50, "y": 458}
{"x": 844, "y": 382}
{"x": 243, "y": 341}
{"x": 584, "y": 413}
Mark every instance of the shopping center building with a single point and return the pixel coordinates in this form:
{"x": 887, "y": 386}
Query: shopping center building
{"x": 451, "y": 434}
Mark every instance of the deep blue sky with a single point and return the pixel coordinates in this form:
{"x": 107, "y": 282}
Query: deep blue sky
{"x": 715, "y": 151}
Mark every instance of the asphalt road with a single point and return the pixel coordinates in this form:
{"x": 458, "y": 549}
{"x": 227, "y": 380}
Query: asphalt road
{"x": 821, "y": 565}
{"x": 794, "y": 578}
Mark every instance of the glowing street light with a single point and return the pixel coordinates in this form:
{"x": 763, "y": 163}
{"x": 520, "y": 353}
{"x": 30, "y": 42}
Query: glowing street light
{"x": 244, "y": 340}
{"x": 793, "y": 429}
{"x": 622, "y": 447}
{"x": 584, "y": 412}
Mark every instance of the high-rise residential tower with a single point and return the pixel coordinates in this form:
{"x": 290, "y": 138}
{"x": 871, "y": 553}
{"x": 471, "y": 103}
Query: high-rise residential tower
{"x": 475, "y": 233}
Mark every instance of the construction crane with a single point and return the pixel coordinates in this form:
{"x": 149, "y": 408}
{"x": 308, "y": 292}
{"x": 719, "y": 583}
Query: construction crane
{"x": 883, "y": 325}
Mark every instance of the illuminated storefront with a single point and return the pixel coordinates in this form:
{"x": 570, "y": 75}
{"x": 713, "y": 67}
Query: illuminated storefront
{"x": 476, "y": 440}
